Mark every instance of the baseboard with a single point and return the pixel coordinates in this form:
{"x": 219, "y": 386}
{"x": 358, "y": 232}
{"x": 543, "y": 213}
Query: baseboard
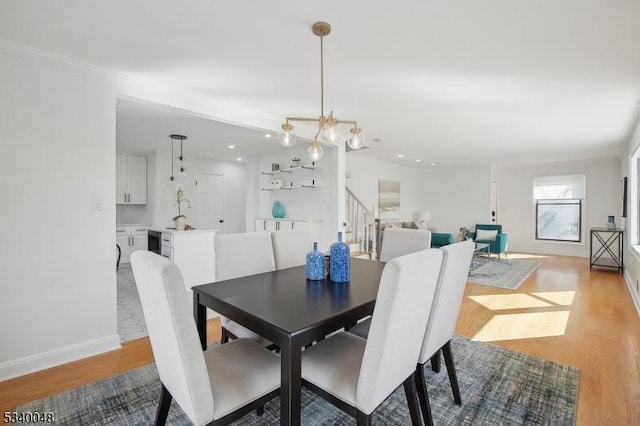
{"x": 31, "y": 364}
{"x": 629, "y": 281}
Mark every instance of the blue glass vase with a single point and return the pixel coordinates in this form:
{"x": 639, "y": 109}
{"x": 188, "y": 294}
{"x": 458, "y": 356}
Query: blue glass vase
{"x": 315, "y": 264}
{"x": 278, "y": 210}
{"x": 339, "y": 262}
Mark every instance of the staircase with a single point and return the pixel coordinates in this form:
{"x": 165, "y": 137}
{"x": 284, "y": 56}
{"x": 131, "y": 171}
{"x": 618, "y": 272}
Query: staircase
{"x": 359, "y": 228}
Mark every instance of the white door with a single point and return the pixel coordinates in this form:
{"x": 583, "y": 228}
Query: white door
{"x": 493, "y": 214}
{"x": 210, "y": 202}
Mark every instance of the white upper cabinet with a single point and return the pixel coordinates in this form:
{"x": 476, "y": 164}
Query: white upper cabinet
{"x": 131, "y": 179}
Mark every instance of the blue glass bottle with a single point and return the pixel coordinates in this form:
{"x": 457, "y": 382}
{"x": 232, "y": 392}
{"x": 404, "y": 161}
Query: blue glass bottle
{"x": 339, "y": 262}
{"x": 315, "y": 264}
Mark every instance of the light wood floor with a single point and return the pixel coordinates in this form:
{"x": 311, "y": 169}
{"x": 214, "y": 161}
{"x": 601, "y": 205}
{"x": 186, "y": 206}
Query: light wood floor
{"x": 562, "y": 313}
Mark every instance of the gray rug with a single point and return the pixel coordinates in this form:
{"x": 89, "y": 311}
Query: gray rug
{"x": 498, "y": 387}
{"x": 504, "y": 273}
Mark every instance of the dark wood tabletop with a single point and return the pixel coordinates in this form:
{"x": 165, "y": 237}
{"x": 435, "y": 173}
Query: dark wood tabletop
{"x": 290, "y": 311}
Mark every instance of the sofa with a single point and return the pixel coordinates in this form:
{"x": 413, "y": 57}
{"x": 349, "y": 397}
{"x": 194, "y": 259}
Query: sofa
{"x": 438, "y": 239}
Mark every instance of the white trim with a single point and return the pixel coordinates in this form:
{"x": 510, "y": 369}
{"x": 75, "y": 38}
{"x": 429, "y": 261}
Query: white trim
{"x": 634, "y": 297}
{"x": 31, "y": 364}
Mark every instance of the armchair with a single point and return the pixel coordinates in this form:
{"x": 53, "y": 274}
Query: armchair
{"x": 498, "y": 245}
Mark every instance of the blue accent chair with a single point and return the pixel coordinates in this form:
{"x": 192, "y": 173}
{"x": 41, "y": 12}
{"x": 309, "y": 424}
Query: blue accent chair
{"x": 501, "y": 243}
{"x": 439, "y": 239}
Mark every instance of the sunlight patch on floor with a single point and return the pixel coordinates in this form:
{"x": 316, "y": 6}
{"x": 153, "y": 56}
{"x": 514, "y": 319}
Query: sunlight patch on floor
{"x": 563, "y": 298}
{"x": 526, "y": 256}
{"x": 523, "y": 326}
{"x": 497, "y": 302}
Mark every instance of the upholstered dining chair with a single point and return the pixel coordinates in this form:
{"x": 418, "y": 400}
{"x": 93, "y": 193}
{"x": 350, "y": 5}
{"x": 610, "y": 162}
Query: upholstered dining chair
{"x": 400, "y": 241}
{"x": 240, "y": 255}
{"x": 357, "y": 375}
{"x": 290, "y": 248}
{"x": 217, "y": 386}
{"x": 442, "y": 320}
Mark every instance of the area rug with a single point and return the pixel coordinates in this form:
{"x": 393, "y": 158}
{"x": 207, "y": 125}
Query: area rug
{"x": 498, "y": 387}
{"x": 504, "y": 273}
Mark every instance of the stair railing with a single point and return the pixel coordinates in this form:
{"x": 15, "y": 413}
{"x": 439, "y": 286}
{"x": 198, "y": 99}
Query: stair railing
{"x": 359, "y": 222}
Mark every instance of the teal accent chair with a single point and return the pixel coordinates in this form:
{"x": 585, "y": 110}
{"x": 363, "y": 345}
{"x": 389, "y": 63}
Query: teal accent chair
{"x": 500, "y": 245}
{"x": 439, "y": 239}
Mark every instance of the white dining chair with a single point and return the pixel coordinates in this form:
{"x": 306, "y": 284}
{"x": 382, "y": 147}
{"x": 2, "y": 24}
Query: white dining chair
{"x": 290, "y": 248}
{"x": 397, "y": 242}
{"x": 442, "y": 320}
{"x": 217, "y": 386}
{"x": 240, "y": 255}
{"x": 357, "y": 375}
{"x": 400, "y": 241}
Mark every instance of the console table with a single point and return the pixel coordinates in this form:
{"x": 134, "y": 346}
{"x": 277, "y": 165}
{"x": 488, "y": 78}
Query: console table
{"x": 606, "y": 248}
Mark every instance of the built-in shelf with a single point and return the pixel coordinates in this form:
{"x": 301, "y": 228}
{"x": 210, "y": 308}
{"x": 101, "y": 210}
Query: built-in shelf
{"x": 289, "y": 188}
{"x": 289, "y": 169}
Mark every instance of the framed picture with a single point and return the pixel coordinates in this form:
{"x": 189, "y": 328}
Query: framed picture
{"x": 388, "y": 199}
{"x": 623, "y": 189}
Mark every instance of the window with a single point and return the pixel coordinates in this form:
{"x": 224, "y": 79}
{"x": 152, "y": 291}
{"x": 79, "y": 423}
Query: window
{"x": 558, "y": 204}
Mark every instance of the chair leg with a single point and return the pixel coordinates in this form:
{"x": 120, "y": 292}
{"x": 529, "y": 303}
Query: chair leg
{"x": 224, "y": 337}
{"x": 451, "y": 369}
{"x": 163, "y": 407}
{"x": 435, "y": 361}
{"x": 423, "y": 397}
{"x": 363, "y": 419}
{"x": 260, "y": 411}
{"x": 412, "y": 399}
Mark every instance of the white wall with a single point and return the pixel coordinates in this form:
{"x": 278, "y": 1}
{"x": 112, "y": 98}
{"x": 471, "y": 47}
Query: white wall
{"x": 456, "y": 197}
{"x": 58, "y": 255}
{"x": 303, "y": 203}
{"x": 516, "y": 209}
{"x": 235, "y": 187}
{"x": 363, "y": 179}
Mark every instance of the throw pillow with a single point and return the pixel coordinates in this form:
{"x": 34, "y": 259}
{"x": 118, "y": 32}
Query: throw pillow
{"x": 486, "y": 235}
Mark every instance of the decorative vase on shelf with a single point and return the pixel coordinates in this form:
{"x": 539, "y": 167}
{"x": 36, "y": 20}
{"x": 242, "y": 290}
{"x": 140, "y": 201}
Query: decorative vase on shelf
{"x": 339, "y": 261}
{"x": 611, "y": 224}
{"x": 315, "y": 264}
{"x": 277, "y": 210}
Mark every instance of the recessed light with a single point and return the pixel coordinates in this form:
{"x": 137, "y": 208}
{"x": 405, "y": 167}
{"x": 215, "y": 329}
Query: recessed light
{"x": 239, "y": 159}
{"x": 267, "y": 135}
{"x": 400, "y": 155}
{"x": 417, "y": 161}
{"x": 231, "y": 146}
{"x": 433, "y": 164}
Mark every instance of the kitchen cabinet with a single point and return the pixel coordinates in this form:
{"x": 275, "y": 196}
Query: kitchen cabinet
{"x": 131, "y": 179}
{"x": 130, "y": 239}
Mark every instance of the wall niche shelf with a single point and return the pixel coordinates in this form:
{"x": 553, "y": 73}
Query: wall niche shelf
{"x": 291, "y": 187}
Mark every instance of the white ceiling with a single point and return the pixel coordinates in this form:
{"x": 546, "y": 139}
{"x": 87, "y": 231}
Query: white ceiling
{"x": 461, "y": 81}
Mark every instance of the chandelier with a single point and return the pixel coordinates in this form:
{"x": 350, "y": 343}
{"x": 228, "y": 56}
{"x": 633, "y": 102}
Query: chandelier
{"x": 328, "y": 127}
{"x": 182, "y": 170}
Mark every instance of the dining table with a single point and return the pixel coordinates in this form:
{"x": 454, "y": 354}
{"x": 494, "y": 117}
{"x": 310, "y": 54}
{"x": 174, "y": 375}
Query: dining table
{"x": 291, "y": 312}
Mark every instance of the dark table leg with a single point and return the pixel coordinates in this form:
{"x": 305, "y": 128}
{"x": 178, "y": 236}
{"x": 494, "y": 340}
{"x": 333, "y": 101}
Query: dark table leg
{"x": 291, "y": 384}
{"x": 200, "y": 314}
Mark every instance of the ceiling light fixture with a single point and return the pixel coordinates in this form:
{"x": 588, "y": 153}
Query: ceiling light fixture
{"x": 328, "y": 127}
{"x": 182, "y": 169}
{"x": 231, "y": 146}
{"x": 400, "y": 155}
{"x": 267, "y": 135}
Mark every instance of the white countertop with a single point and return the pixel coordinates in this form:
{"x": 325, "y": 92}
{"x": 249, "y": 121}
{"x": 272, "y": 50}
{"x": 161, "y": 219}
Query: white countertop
{"x": 132, "y": 224}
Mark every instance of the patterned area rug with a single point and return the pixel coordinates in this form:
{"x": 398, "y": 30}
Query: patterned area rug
{"x": 131, "y": 323}
{"x": 504, "y": 273}
{"x": 498, "y": 387}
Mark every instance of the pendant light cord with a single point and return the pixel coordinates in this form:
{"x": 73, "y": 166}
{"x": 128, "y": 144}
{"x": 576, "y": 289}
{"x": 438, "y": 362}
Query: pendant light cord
{"x": 321, "y": 82}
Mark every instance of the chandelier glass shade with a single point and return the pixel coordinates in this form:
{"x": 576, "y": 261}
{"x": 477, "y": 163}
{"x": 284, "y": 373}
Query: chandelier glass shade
{"x": 330, "y": 129}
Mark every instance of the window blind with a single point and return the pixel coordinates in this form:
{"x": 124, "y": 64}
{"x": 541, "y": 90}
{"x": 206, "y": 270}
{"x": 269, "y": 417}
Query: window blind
{"x": 562, "y": 187}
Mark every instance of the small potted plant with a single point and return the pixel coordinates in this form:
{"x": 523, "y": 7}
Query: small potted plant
{"x": 181, "y": 220}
